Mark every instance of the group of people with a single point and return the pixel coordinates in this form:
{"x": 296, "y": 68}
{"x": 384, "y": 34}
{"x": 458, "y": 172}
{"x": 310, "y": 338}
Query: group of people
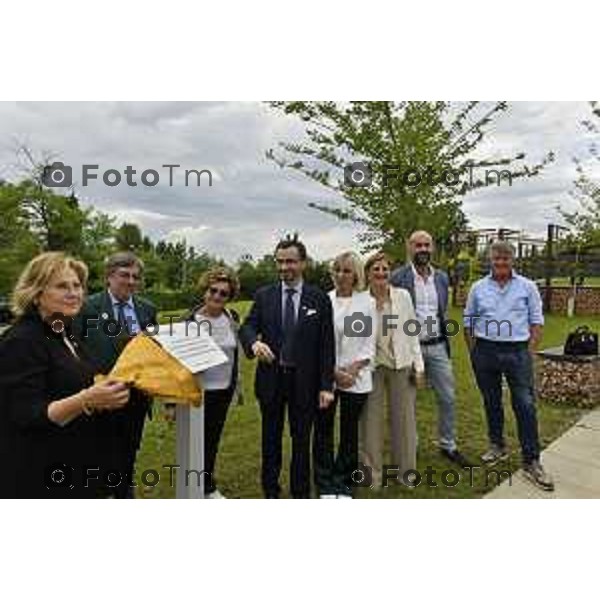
{"x": 63, "y": 435}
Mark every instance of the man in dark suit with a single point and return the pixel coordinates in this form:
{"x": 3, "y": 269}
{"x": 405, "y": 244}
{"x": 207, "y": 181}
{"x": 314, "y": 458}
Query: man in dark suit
{"x": 428, "y": 288}
{"x": 290, "y": 331}
{"x": 108, "y": 321}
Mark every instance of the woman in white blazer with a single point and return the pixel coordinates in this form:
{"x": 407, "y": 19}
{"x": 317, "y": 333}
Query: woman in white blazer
{"x": 398, "y": 369}
{"x": 353, "y": 317}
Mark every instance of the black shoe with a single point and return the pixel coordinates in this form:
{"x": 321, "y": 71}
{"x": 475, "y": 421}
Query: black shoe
{"x": 456, "y": 457}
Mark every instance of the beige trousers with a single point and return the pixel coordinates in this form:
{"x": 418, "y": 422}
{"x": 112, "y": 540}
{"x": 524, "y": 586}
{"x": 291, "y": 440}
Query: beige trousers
{"x": 401, "y": 394}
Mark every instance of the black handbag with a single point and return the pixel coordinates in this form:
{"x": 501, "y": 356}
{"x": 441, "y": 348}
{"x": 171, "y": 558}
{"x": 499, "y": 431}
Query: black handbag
{"x": 582, "y": 342}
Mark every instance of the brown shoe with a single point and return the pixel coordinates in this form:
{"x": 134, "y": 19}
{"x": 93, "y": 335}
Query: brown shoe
{"x": 536, "y": 474}
{"x": 494, "y": 455}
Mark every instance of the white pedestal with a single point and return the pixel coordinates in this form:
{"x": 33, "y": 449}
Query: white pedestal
{"x": 190, "y": 451}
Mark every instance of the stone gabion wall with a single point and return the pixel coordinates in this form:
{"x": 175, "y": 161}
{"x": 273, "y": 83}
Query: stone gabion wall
{"x": 587, "y": 300}
{"x": 576, "y": 383}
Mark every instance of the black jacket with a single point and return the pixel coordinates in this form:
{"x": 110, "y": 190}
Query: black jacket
{"x": 314, "y": 350}
{"x": 125, "y": 426}
{"x": 36, "y": 368}
{"x": 90, "y": 326}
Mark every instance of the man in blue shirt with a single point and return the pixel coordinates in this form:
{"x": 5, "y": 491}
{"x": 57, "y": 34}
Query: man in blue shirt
{"x": 503, "y": 324}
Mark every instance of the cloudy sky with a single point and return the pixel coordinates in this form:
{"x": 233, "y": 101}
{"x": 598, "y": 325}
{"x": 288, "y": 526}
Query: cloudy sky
{"x": 252, "y": 202}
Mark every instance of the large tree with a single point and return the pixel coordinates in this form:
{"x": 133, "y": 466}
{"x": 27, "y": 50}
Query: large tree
{"x": 422, "y": 157}
{"x": 36, "y": 219}
{"x": 97, "y": 242}
{"x": 56, "y": 220}
{"x": 585, "y": 221}
{"x": 17, "y": 243}
{"x": 129, "y": 237}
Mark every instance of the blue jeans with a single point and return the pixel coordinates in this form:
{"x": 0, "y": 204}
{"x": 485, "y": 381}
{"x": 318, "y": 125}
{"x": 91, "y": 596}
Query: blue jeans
{"x": 438, "y": 369}
{"x": 492, "y": 360}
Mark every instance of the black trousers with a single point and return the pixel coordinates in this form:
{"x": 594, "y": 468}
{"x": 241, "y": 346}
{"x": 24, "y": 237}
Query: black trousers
{"x": 333, "y": 474}
{"x": 301, "y": 414}
{"x": 128, "y": 432}
{"x": 216, "y": 407}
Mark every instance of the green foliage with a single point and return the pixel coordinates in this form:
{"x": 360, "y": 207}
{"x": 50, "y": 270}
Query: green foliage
{"x": 56, "y": 221}
{"x": 36, "y": 219}
{"x": 175, "y": 265}
{"x": 585, "y": 222}
{"x": 253, "y": 275}
{"x": 17, "y": 244}
{"x": 97, "y": 242}
{"x": 129, "y": 237}
{"x": 317, "y": 273}
{"x": 436, "y": 138}
{"x": 176, "y": 302}
{"x": 238, "y": 465}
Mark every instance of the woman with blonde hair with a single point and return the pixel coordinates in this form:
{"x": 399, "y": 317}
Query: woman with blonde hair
{"x": 52, "y": 441}
{"x": 217, "y": 287}
{"x": 353, "y": 319}
{"x": 398, "y": 369}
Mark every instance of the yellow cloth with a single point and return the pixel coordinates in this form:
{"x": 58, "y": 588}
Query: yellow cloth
{"x": 146, "y": 365}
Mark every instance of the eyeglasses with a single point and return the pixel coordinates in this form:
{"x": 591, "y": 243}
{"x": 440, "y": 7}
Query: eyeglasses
{"x": 215, "y": 291}
{"x": 127, "y": 275}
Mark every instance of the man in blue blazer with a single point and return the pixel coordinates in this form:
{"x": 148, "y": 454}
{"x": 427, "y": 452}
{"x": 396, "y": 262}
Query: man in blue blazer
{"x": 290, "y": 330}
{"x": 428, "y": 288}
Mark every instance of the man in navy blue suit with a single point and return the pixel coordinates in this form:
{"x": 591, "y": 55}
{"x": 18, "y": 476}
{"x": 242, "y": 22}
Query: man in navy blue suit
{"x": 290, "y": 331}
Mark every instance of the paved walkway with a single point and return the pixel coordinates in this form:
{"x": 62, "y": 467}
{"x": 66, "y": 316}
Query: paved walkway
{"x": 573, "y": 460}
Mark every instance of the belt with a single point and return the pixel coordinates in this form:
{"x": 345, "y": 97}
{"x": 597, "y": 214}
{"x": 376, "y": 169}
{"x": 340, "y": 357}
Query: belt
{"x": 432, "y": 341}
{"x": 501, "y": 344}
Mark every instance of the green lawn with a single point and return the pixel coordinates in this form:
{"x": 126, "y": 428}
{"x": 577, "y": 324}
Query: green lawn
{"x": 238, "y": 469}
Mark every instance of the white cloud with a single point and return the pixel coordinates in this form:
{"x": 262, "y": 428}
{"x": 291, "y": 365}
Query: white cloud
{"x": 252, "y": 201}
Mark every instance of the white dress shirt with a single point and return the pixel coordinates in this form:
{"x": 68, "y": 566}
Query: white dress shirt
{"x": 426, "y": 304}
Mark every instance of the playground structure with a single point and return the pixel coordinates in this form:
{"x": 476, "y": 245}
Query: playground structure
{"x": 564, "y": 274}
{"x": 470, "y": 258}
